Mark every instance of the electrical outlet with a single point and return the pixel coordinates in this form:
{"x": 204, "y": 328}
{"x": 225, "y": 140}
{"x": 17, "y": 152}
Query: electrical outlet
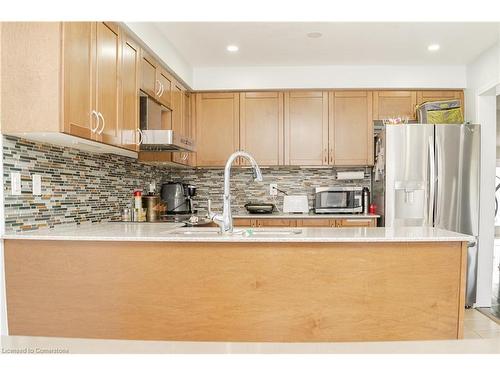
{"x": 15, "y": 183}
{"x": 273, "y": 189}
{"x": 37, "y": 184}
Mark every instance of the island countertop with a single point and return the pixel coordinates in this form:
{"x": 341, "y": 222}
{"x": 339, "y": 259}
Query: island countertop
{"x": 168, "y": 232}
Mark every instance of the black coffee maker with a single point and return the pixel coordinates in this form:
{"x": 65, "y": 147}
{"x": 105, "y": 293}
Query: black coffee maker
{"x": 178, "y": 197}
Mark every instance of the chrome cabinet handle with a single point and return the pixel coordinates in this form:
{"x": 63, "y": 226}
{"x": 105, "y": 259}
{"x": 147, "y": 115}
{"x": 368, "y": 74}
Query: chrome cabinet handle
{"x": 97, "y": 121}
{"x": 162, "y": 90}
{"x": 140, "y": 138}
{"x": 185, "y": 156}
{"x": 103, "y": 123}
{"x": 157, "y": 91}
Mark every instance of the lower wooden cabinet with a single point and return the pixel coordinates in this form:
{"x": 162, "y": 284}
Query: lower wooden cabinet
{"x": 312, "y": 222}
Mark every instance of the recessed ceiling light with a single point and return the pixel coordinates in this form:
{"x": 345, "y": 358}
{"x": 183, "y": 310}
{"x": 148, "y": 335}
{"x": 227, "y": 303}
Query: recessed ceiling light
{"x": 433, "y": 47}
{"x": 232, "y": 48}
{"x": 314, "y": 34}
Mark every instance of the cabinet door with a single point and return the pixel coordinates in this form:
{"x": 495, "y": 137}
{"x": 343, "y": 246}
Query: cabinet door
{"x": 79, "y": 78}
{"x": 322, "y": 223}
{"x": 351, "y": 128}
{"x": 179, "y": 120}
{"x": 390, "y": 104}
{"x": 436, "y": 95}
{"x": 356, "y": 223}
{"x": 190, "y": 123}
{"x": 261, "y": 126}
{"x": 130, "y": 93}
{"x": 217, "y": 127}
{"x": 276, "y": 223}
{"x": 108, "y": 65}
{"x": 149, "y": 82}
{"x": 306, "y": 128}
{"x": 165, "y": 82}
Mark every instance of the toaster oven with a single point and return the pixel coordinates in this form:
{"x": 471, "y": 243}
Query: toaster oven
{"x": 334, "y": 200}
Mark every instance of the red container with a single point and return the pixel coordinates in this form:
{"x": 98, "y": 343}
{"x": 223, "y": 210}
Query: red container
{"x": 373, "y": 208}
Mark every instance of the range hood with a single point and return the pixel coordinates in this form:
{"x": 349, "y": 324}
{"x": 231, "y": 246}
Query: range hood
{"x": 156, "y": 129}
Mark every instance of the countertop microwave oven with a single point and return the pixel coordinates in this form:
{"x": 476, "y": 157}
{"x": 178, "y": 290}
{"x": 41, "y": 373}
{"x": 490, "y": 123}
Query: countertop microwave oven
{"x": 334, "y": 200}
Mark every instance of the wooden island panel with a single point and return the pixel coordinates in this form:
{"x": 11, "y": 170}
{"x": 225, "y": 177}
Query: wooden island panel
{"x": 261, "y": 292}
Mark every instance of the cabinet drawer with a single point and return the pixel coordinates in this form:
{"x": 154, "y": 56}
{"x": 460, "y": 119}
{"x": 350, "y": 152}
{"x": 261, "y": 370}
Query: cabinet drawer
{"x": 356, "y": 223}
{"x": 276, "y": 223}
{"x": 315, "y": 223}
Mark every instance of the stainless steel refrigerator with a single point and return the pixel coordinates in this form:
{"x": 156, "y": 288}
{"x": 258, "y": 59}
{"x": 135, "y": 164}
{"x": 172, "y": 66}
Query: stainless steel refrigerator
{"x": 428, "y": 175}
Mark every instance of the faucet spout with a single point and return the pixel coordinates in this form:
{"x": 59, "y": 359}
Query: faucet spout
{"x": 225, "y": 221}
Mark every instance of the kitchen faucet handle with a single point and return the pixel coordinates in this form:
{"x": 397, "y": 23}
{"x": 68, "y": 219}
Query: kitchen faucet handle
{"x": 209, "y": 209}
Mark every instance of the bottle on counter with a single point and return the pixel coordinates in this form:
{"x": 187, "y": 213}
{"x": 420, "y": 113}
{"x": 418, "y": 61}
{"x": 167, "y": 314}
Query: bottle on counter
{"x": 366, "y": 200}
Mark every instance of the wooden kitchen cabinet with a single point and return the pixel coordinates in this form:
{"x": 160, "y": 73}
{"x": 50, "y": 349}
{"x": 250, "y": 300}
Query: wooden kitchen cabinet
{"x": 74, "y": 84}
{"x": 217, "y": 128}
{"x": 344, "y": 223}
{"x": 240, "y": 222}
{"x": 148, "y": 74}
{"x": 436, "y": 95}
{"x": 276, "y": 223}
{"x": 306, "y": 128}
{"x": 322, "y": 223}
{"x": 129, "y": 104}
{"x": 391, "y": 104}
{"x": 108, "y": 51}
{"x": 155, "y": 80}
{"x": 350, "y": 128}
{"x": 79, "y": 78}
{"x": 261, "y": 126}
{"x": 166, "y": 85}
{"x": 91, "y": 61}
{"x": 181, "y": 121}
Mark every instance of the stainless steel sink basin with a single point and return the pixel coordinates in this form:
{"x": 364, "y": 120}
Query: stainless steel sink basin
{"x": 247, "y": 232}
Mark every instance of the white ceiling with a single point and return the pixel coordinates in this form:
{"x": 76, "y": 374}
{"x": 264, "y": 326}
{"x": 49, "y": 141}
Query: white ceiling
{"x": 203, "y": 44}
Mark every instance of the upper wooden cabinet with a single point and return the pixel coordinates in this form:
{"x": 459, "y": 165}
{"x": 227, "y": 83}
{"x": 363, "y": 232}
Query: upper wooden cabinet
{"x": 436, "y": 95}
{"x": 108, "y": 54}
{"x": 80, "y": 117}
{"x": 390, "y": 104}
{"x": 351, "y": 128}
{"x": 76, "y": 86}
{"x": 306, "y": 128}
{"x": 130, "y": 68}
{"x": 261, "y": 126}
{"x": 149, "y": 67}
{"x": 217, "y": 127}
{"x": 155, "y": 80}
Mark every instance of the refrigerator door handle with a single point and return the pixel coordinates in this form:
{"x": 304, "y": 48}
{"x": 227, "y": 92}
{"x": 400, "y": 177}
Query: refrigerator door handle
{"x": 432, "y": 183}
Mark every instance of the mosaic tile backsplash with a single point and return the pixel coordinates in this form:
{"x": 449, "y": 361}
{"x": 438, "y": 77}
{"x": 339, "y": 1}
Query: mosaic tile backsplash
{"x": 302, "y": 181}
{"x": 79, "y": 187}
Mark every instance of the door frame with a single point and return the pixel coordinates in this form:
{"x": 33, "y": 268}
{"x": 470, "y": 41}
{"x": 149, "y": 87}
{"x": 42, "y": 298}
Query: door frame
{"x": 485, "y": 115}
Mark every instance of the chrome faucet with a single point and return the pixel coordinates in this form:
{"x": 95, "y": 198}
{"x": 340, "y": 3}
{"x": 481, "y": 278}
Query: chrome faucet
{"x": 225, "y": 221}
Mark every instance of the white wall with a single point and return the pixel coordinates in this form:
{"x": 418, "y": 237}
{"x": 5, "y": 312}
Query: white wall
{"x": 331, "y": 76}
{"x": 3, "y": 300}
{"x": 163, "y": 49}
{"x": 483, "y": 78}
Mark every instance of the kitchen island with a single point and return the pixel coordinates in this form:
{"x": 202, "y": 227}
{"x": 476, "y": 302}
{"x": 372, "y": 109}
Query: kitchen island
{"x": 162, "y": 282}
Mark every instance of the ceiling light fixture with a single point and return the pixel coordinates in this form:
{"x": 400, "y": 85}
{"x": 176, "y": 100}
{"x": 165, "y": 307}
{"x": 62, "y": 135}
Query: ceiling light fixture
{"x": 314, "y": 34}
{"x": 232, "y": 48}
{"x": 433, "y": 47}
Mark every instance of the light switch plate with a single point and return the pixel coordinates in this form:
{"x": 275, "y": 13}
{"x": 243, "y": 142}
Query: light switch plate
{"x": 15, "y": 183}
{"x": 37, "y": 184}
